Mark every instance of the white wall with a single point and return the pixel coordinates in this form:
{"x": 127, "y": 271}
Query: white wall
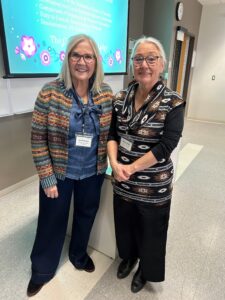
{"x": 207, "y": 97}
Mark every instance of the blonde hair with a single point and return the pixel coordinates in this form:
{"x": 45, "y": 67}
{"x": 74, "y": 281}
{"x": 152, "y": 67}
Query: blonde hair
{"x": 150, "y": 40}
{"x": 98, "y": 75}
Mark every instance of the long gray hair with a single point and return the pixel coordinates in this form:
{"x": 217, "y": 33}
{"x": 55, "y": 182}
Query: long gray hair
{"x": 98, "y": 75}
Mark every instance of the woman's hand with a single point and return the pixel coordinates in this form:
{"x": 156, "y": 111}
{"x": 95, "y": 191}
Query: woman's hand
{"x": 128, "y": 169}
{"x": 51, "y": 192}
{"x": 121, "y": 172}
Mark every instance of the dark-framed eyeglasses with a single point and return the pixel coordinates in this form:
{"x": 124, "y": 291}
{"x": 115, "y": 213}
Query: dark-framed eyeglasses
{"x": 88, "y": 58}
{"x": 150, "y": 59}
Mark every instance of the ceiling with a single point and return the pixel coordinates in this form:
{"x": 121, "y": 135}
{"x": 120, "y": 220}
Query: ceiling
{"x": 210, "y": 2}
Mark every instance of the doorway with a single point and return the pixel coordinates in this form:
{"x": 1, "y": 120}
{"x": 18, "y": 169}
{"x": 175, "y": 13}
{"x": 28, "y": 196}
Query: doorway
{"x": 182, "y": 59}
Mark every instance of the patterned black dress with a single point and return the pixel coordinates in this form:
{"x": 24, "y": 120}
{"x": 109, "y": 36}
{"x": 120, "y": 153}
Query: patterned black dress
{"x": 156, "y": 126}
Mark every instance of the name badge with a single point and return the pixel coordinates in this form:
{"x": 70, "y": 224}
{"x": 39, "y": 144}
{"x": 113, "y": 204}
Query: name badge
{"x": 83, "y": 140}
{"x": 125, "y": 144}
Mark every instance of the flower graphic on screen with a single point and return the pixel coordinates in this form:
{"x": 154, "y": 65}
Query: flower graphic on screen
{"x": 28, "y": 45}
{"x": 62, "y": 55}
{"x": 22, "y": 56}
{"x": 118, "y": 56}
{"x": 110, "y": 61}
{"x": 17, "y": 50}
{"x": 45, "y": 58}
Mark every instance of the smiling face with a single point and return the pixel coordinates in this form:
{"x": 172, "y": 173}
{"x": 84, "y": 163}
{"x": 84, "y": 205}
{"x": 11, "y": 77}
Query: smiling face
{"x": 82, "y": 69}
{"x": 147, "y": 74}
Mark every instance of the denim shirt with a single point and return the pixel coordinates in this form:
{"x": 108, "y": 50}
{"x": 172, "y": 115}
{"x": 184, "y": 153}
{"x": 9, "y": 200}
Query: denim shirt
{"x": 82, "y": 161}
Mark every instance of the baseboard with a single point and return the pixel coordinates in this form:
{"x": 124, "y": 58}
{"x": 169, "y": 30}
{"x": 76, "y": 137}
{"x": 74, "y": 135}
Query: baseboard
{"x": 205, "y": 121}
{"x": 18, "y": 185}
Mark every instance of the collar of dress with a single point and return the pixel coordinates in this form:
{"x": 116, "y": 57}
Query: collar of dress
{"x": 148, "y": 109}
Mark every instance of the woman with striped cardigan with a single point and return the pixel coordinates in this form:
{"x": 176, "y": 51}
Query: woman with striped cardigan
{"x": 70, "y": 125}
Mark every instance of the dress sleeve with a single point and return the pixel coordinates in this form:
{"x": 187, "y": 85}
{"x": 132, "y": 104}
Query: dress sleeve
{"x": 113, "y": 136}
{"x": 173, "y": 127}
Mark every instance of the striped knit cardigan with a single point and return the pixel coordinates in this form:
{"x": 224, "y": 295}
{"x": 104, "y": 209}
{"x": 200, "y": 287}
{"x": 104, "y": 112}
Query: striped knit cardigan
{"x": 50, "y": 128}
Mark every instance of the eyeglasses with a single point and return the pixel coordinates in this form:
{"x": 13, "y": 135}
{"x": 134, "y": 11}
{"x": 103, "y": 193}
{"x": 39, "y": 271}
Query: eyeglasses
{"x": 150, "y": 59}
{"x": 88, "y": 58}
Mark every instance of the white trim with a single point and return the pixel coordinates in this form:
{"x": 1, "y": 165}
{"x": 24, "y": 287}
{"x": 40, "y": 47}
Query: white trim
{"x": 18, "y": 185}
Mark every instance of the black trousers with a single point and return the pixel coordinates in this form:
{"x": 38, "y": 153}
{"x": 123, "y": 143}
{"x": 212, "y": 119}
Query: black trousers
{"x": 52, "y": 225}
{"x": 141, "y": 231}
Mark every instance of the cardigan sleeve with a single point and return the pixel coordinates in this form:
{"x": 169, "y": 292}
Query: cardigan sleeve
{"x": 39, "y": 139}
{"x": 172, "y": 132}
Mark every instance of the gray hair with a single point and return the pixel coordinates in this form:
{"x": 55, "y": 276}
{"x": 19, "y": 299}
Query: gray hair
{"x": 65, "y": 70}
{"x": 150, "y": 40}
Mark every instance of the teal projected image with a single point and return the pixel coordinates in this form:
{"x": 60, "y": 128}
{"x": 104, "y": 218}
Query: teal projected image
{"x": 36, "y": 33}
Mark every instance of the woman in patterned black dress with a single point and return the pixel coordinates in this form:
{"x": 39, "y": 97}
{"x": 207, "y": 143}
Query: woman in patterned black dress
{"x": 146, "y": 126}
